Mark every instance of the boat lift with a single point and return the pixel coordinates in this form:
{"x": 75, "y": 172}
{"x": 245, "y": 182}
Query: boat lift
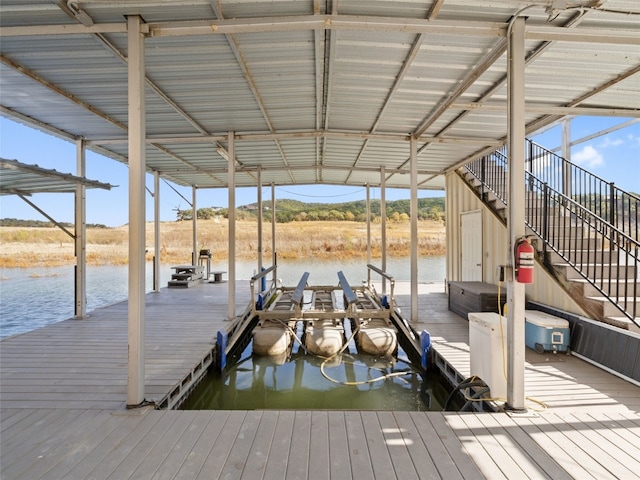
{"x": 273, "y": 313}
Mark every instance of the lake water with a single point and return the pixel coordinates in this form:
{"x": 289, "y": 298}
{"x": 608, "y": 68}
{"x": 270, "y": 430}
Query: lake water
{"x": 262, "y": 383}
{"x": 34, "y": 297}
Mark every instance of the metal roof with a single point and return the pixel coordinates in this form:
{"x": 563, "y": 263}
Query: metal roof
{"x": 18, "y": 178}
{"x": 316, "y": 92}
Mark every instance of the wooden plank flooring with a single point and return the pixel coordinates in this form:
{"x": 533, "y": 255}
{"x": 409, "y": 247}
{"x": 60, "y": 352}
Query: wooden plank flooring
{"x": 63, "y": 390}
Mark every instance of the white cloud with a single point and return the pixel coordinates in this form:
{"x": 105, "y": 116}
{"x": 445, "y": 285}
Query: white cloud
{"x": 608, "y": 142}
{"x": 588, "y": 157}
{"x": 633, "y": 138}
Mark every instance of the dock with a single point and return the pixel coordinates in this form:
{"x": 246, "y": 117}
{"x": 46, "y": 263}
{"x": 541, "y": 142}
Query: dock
{"x": 63, "y": 415}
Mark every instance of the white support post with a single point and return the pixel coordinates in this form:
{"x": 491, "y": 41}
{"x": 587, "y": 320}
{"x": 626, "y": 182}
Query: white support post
{"x": 414, "y": 228}
{"x": 232, "y": 226}
{"x": 194, "y": 226}
{"x": 137, "y": 141}
{"x": 566, "y": 154}
{"x": 516, "y": 203}
{"x": 383, "y": 226}
{"x": 80, "y": 236}
{"x": 259, "y": 219}
{"x": 156, "y": 231}
{"x": 368, "y": 213}
{"x": 274, "y": 257}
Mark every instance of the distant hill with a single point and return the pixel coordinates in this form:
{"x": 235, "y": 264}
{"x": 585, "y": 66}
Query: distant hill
{"x": 15, "y": 222}
{"x": 288, "y": 210}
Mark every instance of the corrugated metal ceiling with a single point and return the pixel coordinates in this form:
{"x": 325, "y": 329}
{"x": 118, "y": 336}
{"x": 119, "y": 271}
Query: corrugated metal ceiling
{"x": 17, "y": 178}
{"x": 316, "y": 92}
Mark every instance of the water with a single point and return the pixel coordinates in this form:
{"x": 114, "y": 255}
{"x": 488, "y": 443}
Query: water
{"x": 260, "y": 383}
{"x": 31, "y": 298}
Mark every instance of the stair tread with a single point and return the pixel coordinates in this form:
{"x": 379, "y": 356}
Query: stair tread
{"x": 618, "y": 299}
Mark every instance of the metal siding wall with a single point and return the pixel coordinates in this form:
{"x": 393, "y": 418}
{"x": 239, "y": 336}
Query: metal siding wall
{"x": 460, "y": 198}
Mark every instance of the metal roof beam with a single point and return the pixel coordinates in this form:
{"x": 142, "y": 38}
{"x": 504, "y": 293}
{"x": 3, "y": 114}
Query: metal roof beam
{"x": 287, "y": 135}
{"x": 48, "y": 30}
{"x": 571, "y": 23}
{"x": 553, "y": 110}
{"x": 304, "y": 168}
{"x": 242, "y": 63}
{"x": 336, "y": 22}
{"x": 408, "y": 61}
{"x": 326, "y": 22}
{"x": 542, "y": 122}
{"x": 72, "y": 98}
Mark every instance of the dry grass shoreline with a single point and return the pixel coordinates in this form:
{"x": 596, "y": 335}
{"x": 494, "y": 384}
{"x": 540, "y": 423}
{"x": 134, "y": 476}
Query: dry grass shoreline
{"x": 49, "y": 247}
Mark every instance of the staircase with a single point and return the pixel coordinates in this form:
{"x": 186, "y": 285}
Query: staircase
{"x": 587, "y": 240}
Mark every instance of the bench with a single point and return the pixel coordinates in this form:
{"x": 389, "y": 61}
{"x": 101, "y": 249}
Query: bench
{"x": 186, "y": 275}
{"x": 217, "y": 276}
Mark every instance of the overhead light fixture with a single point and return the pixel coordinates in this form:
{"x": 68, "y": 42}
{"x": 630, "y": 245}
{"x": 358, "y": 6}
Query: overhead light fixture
{"x": 223, "y": 153}
{"x": 72, "y": 9}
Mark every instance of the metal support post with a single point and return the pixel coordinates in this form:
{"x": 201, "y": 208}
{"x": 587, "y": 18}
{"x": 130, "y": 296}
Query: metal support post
{"x": 383, "y": 226}
{"x": 516, "y": 202}
{"x": 414, "y": 228}
{"x": 156, "y": 231}
{"x": 80, "y": 235}
{"x": 137, "y": 141}
{"x": 259, "y": 218}
{"x": 232, "y": 227}
{"x": 194, "y": 226}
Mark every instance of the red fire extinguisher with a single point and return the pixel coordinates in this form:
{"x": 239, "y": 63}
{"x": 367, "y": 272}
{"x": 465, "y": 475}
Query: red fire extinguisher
{"x": 524, "y": 261}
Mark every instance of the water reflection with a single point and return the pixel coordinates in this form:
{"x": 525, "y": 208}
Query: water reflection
{"x": 31, "y": 298}
{"x": 357, "y": 382}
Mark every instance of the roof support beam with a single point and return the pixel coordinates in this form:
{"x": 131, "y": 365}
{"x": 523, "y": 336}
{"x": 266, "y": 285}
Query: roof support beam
{"x": 45, "y": 214}
{"x": 336, "y": 22}
{"x": 302, "y": 168}
{"x": 84, "y": 105}
{"x": 408, "y": 61}
{"x": 242, "y": 63}
{"x": 553, "y": 110}
{"x": 326, "y": 22}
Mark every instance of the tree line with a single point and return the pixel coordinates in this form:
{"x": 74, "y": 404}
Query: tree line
{"x": 288, "y": 210}
{"x": 16, "y": 222}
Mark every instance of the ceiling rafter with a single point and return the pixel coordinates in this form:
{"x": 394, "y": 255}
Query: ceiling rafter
{"x": 82, "y": 16}
{"x": 408, "y": 61}
{"x": 242, "y": 63}
{"x": 573, "y": 22}
{"x": 90, "y": 108}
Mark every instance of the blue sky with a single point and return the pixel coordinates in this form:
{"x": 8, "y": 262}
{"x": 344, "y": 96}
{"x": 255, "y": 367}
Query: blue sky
{"x": 614, "y": 157}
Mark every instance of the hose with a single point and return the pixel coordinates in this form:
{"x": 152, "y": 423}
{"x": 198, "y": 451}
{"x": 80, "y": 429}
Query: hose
{"x": 467, "y": 383}
{"x": 362, "y": 382}
{"x": 473, "y": 398}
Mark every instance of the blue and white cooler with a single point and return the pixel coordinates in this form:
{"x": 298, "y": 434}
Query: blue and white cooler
{"x": 545, "y": 333}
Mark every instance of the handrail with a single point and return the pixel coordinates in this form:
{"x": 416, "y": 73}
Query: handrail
{"x": 384, "y": 275}
{"x": 603, "y": 254}
{"x": 619, "y": 207}
{"x": 264, "y": 272}
{"x": 258, "y": 276}
{"x": 577, "y": 229}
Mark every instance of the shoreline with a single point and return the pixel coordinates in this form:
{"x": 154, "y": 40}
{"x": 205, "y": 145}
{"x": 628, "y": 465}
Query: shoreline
{"x": 24, "y": 247}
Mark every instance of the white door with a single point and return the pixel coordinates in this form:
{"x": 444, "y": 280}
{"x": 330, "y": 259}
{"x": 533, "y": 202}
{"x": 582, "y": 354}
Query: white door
{"x": 471, "y": 245}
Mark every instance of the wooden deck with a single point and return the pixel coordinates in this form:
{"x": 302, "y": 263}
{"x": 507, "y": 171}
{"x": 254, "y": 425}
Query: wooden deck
{"x": 63, "y": 391}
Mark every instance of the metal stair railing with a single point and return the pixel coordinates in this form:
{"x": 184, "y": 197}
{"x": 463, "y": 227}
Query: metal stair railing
{"x": 617, "y": 206}
{"x": 600, "y": 252}
{"x": 577, "y": 233}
